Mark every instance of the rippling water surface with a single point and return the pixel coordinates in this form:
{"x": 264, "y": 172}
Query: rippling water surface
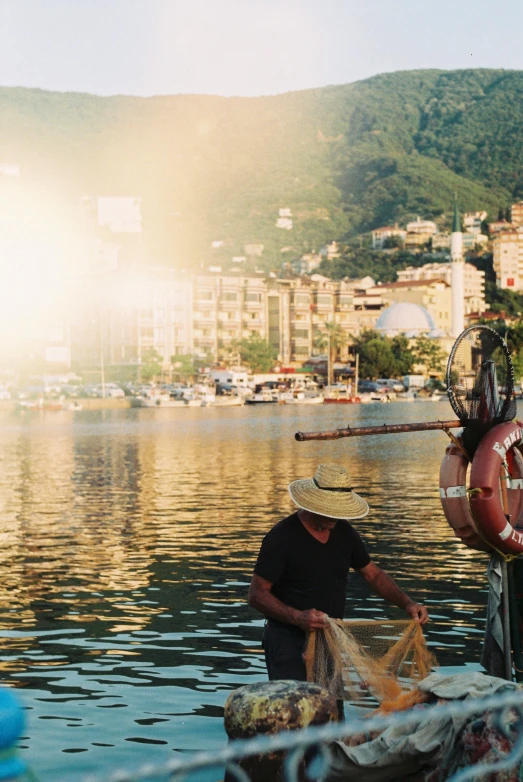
{"x": 128, "y": 541}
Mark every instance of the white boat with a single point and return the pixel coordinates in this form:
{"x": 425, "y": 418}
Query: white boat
{"x": 263, "y": 397}
{"x": 367, "y": 399}
{"x": 226, "y": 401}
{"x": 159, "y": 400}
{"x": 303, "y": 399}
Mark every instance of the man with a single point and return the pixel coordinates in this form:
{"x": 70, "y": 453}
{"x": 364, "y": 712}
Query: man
{"x": 301, "y": 572}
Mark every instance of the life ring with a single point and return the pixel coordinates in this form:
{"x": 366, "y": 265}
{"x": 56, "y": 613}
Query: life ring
{"x": 501, "y": 444}
{"x": 454, "y": 498}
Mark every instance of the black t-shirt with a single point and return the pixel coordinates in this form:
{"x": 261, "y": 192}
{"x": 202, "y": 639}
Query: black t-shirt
{"x": 305, "y": 573}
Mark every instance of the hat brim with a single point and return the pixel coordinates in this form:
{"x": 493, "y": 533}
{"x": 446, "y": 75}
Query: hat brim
{"x": 332, "y": 504}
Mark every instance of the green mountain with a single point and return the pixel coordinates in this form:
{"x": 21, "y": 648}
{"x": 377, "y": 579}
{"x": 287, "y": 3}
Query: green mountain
{"x": 344, "y": 159}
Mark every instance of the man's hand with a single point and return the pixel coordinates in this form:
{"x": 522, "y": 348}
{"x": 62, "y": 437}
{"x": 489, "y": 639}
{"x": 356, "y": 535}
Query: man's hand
{"x": 311, "y": 620}
{"x": 418, "y": 612}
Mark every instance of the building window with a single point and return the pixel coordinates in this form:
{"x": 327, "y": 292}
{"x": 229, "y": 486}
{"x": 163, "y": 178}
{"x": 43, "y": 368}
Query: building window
{"x": 300, "y": 333}
{"x": 324, "y": 300}
{"x": 301, "y": 298}
{"x": 230, "y": 296}
{"x": 205, "y": 295}
{"x": 253, "y": 297}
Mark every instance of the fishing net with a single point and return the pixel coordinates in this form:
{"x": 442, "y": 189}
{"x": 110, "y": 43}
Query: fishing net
{"x": 383, "y": 659}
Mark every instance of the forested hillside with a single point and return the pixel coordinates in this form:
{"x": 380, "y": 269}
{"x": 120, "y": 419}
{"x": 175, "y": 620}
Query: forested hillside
{"x": 344, "y": 159}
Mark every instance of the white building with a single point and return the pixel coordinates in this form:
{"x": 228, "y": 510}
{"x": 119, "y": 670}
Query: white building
{"x": 419, "y": 226}
{"x": 380, "y": 235}
{"x": 473, "y": 281}
{"x": 126, "y": 315}
{"x": 472, "y": 221}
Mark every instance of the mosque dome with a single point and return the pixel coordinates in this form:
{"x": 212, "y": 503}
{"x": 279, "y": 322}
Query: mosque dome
{"x": 406, "y": 318}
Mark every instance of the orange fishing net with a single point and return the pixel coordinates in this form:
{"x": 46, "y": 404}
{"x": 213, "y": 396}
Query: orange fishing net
{"x": 383, "y": 658}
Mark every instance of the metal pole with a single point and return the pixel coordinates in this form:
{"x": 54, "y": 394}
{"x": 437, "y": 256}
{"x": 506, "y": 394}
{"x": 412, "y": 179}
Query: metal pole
{"x": 507, "y": 655}
{"x": 336, "y": 434}
{"x": 515, "y": 622}
{"x": 356, "y": 375}
{"x": 102, "y": 366}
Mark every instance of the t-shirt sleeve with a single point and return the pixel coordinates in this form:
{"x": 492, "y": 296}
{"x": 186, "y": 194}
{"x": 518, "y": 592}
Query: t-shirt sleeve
{"x": 270, "y": 564}
{"x": 359, "y": 556}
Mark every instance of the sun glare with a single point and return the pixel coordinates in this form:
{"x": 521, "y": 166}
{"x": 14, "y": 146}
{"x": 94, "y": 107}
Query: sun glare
{"x": 36, "y": 258}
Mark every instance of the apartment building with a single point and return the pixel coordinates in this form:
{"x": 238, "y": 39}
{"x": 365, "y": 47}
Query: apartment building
{"x": 119, "y": 317}
{"x": 474, "y": 281}
{"x": 300, "y": 309}
{"x": 225, "y": 309}
{"x": 507, "y": 249}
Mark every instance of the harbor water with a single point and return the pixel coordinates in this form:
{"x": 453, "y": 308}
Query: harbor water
{"x": 128, "y": 541}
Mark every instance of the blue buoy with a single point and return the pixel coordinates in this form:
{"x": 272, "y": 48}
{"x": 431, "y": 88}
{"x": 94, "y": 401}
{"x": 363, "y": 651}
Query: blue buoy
{"x": 11, "y": 726}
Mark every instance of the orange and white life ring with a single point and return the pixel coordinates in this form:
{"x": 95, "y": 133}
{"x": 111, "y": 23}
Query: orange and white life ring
{"x": 498, "y": 459}
{"x": 454, "y": 498}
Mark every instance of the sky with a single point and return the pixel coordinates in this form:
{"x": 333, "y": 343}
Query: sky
{"x": 246, "y": 47}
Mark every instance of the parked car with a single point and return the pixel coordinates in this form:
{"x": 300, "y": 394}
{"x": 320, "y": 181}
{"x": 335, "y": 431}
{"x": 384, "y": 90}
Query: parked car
{"x": 367, "y": 386}
{"x": 389, "y": 384}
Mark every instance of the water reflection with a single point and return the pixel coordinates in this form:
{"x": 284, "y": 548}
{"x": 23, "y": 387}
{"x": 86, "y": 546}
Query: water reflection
{"x": 128, "y": 540}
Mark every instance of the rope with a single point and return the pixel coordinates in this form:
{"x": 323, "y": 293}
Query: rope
{"x": 457, "y": 443}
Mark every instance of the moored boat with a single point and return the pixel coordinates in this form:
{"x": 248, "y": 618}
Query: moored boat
{"x": 301, "y": 398}
{"x": 262, "y": 397}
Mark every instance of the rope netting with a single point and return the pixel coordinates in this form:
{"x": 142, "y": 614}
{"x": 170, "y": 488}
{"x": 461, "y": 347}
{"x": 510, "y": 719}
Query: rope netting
{"x": 382, "y": 658}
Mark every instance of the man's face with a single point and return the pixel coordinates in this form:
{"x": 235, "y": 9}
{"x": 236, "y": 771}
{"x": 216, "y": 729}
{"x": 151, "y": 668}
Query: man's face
{"x": 324, "y": 521}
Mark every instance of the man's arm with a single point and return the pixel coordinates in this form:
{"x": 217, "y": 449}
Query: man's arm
{"x": 262, "y": 599}
{"x": 383, "y": 585}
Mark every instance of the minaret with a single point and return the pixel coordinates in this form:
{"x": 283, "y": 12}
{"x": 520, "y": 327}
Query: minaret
{"x": 457, "y": 275}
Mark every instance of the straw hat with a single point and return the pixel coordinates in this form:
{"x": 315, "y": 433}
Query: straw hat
{"x": 329, "y": 493}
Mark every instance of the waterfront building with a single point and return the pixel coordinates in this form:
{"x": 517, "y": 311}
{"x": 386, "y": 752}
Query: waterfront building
{"x": 301, "y": 312}
{"x": 226, "y": 309}
{"x": 121, "y": 318}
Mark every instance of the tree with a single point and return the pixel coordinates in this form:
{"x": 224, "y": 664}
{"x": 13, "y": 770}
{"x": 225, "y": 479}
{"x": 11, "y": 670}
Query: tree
{"x": 376, "y": 358}
{"x": 429, "y": 353}
{"x": 151, "y": 364}
{"x": 256, "y": 353}
{"x": 184, "y": 366}
{"x": 401, "y": 350}
{"x": 381, "y": 356}
{"x": 332, "y": 337}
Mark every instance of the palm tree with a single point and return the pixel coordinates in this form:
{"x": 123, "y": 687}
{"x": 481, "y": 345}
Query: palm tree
{"x": 333, "y": 337}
